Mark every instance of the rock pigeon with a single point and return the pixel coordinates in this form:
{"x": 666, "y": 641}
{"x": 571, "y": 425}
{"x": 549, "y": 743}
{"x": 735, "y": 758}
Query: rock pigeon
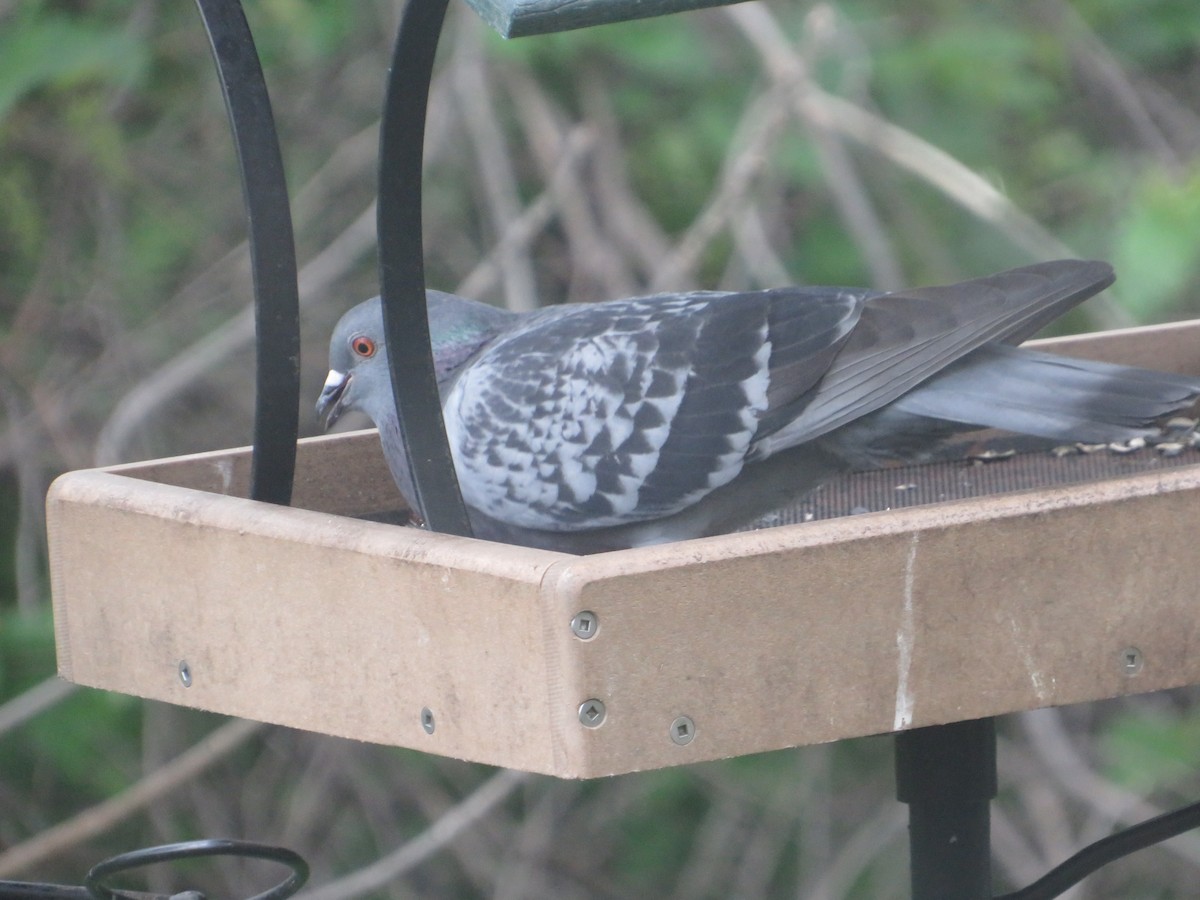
{"x": 601, "y": 426}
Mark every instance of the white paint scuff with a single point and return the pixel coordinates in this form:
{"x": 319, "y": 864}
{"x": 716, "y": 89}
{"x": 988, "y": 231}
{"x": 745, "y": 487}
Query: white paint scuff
{"x": 1035, "y": 676}
{"x": 904, "y": 642}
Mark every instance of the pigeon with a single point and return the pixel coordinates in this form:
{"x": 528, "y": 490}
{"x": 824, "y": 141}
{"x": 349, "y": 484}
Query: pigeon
{"x": 602, "y": 426}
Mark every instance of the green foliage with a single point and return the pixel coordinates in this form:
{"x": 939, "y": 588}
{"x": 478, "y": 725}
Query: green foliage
{"x": 1145, "y": 750}
{"x": 26, "y": 651}
{"x": 66, "y": 747}
{"x": 1157, "y": 245}
{"x": 43, "y": 49}
{"x": 1155, "y": 34}
{"x": 659, "y": 829}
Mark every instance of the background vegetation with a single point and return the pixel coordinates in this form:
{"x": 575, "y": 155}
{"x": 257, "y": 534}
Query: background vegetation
{"x": 858, "y": 141}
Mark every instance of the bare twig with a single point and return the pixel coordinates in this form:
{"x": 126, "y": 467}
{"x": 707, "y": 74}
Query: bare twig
{"x": 1049, "y": 739}
{"x": 1098, "y": 62}
{"x": 493, "y": 161}
{"x": 590, "y": 250}
{"x": 30, "y": 528}
{"x": 33, "y": 702}
{"x": 531, "y": 849}
{"x": 857, "y": 852}
{"x": 904, "y": 149}
{"x": 623, "y": 215}
{"x": 535, "y": 217}
{"x": 754, "y": 247}
{"x": 469, "y": 811}
{"x": 103, "y": 816}
{"x": 717, "y": 837}
{"x": 788, "y": 68}
{"x": 174, "y": 377}
{"x": 758, "y": 129}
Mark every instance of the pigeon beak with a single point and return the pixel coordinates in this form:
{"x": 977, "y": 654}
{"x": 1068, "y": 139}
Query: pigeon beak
{"x": 331, "y": 403}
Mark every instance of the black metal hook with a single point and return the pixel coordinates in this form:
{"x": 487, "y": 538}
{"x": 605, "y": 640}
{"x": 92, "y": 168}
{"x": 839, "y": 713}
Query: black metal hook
{"x": 402, "y": 269}
{"x": 272, "y": 250}
{"x": 1094, "y": 856}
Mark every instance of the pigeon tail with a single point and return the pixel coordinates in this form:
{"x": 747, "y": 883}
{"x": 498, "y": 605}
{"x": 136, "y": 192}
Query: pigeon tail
{"x": 1056, "y": 397}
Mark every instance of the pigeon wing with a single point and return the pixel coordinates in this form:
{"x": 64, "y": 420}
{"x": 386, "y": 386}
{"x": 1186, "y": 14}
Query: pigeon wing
{"x": 604, "y": 414}
{"x": 904, "y": 338}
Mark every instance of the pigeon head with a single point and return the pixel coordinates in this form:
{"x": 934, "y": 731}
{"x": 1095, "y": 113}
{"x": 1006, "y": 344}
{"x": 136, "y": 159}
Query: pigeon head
{"x": 358, "y": 376}
{"x": 358, "y": 363}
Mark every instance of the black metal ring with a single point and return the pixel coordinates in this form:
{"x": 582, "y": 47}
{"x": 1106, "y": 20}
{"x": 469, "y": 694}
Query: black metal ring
{"x": 136, "y": 859}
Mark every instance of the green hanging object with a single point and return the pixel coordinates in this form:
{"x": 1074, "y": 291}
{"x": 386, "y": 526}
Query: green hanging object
{"x": 520, "y": 18}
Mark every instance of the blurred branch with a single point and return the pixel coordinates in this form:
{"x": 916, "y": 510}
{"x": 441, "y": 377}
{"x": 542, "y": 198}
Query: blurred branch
{"x": 33, "y": 702}
{"x": 182, "y": 372}
{"x": 533, "y": 219}
{"x": 1017, "y": 857}
{"x": 103, "y": 816}
{"x": 30, "y": 530}
{"x": 754, "y": 247}
{"x": 842, "y": 178}
{"x": 754, "y": 134}
{"x": 858, "y": 851}
{"x": 788, "y": 68}
{"x": 440, "y": 833}
{"x": 622, "y": 214}
{"x": 523, "y": 871}
{"x": 590, "y": 251}
{"x": 1049, "y": 739}
{"x": 493, "y": 161}
{"x": 715, "y": 841}
{"x": 1098, "y": 63}
{"x": 902, "y": 148}
{"x": 1046, "y": 813}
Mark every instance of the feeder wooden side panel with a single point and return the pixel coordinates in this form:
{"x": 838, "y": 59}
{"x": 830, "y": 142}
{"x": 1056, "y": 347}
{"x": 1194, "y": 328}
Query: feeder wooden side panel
{"x": 304, "y": 619}
{"x": 1173, "y": 347}
{"x": 343, "y": 474}
{"x": 813, "y": 633}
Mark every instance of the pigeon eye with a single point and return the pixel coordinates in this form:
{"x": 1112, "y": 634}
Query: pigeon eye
{"x": 363, "y": 346}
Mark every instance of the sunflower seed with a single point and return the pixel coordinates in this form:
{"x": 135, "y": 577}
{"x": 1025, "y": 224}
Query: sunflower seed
{"x": 991, "y": 455}
{"x": 1128, "y": 446}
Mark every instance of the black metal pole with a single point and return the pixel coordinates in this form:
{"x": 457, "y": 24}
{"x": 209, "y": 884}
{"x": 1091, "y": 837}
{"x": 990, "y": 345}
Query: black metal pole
{"x": 272, "y": 249}
{"x": 402, "y": 271}
{"x": 947, "y": 776}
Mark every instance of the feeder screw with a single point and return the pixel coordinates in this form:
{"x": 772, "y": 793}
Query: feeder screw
{"x": 585, "y": 624}
{"x": 683, "y": 731}
{"x": 1132, "y": 661}
{"x": 427, "y": 720}
{"x": 591, "y": 713}
{"x": 185, "y": 673}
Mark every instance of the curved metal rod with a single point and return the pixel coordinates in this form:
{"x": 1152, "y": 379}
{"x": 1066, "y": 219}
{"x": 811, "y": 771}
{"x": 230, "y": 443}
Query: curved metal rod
{"x": 272, "y": 250}
{"x": 402, "y": 269}
{"x": 136, "y": 859}
{"x": 1106, "y": 850}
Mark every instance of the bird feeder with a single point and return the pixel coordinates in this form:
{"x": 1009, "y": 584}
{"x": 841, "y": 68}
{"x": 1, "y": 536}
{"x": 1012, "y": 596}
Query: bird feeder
{"x": 958, "y": 592}
{"x": 316, "y": 617}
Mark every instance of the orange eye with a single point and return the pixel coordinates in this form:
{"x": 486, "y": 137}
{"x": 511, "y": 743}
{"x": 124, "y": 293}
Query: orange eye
{"x": 363, "y": 346}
